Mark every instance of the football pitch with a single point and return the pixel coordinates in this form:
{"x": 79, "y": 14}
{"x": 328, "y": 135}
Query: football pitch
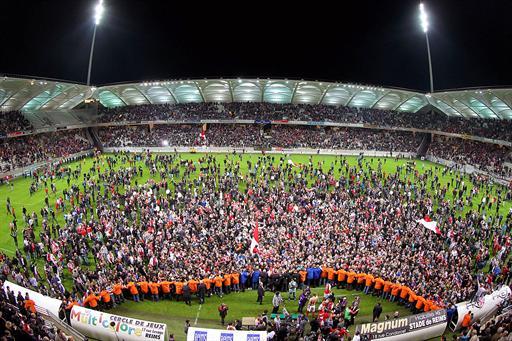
{"x": 240, "y": 305}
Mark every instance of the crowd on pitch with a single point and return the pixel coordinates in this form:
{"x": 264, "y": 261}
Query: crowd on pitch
{"x": 187, "y": 230}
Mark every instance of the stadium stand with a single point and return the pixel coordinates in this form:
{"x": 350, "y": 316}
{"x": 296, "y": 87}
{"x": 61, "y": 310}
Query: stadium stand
{"x": 255, "y": 136}
{"x": 485, "y": 156}
{"x": 13, "y": 121}
{"x": 19, "y": 320}
{"x": 488, "y": 128}
{"x": 26, "y": 150}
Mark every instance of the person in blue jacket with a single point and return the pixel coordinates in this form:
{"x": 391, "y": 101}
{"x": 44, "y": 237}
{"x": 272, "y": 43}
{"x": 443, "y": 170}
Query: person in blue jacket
{"x": 243, "y": 279}
{"x": 255, "y": 279}
{"x": 310, "y": 276}
{"x": 317, "y": 272}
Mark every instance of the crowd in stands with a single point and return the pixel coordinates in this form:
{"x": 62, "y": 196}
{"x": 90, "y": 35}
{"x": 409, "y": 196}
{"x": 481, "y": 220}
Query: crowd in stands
{"x": 189, "y": 233}
{"x": 352, "y": 138}
{"x": 13, "y": 121}
{"x": 222, "y": 135}
{"x": 497, "y": 328}
{"x": 27, "y": 150}
{"x": 489, "y": 128}
{"x": 485, "y": 156}
{"x": 19, "y": 319}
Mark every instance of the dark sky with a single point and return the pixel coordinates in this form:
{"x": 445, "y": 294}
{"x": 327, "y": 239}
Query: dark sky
{"x": 370, "y": 42}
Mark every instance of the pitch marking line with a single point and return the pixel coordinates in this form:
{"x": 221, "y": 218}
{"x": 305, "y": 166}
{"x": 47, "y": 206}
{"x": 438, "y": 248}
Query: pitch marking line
{"x": 9, "y": 251}
{"x": 197, "y": 315}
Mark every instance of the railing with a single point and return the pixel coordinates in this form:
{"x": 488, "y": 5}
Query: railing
{"x": 55, "y": 320}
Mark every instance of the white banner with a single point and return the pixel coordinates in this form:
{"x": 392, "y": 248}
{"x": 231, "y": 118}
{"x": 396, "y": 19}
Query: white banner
{"x": 52, "y": 304}
{"x": 422, "y": 326}
{"x": 205, "y": 334}
{"x": 103, "y": 326}
{"x": 483, "y": 307}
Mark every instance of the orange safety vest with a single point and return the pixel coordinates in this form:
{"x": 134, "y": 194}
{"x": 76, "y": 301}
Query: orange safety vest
{"x": 227, "y": 280}
{"x": 30, "y": 306}
{"x": 369, "y": 280}
{"x": 236, "y": 278}
{"x": 361, "y": 278}
{"x": 192, "y": 284}
{"x": 154, "y": 288}
{"x": 395, "y": 289}
{"x": 387, "y": 286}
{"x": 144, "y": 287}
{"x": 179, "y": 287}
{"x": 324, "y": 272}
{"x": 466, "y": 321}
{"x": 379, "y": 282}
{"x": 133, "y": 288}
{"x": 404, "y": 291}
{"x": 419, "y": 302}
{"x": 342, "y": 275}
{"x": 105, "y": 296}
{"x": 302, "y": 275}
{"x": 330, "y": 274}
{"x": 166, "y": 287}
{"x": 412, "y": 296}
{"x": 218, "y": 281}
{"x": 118, "y": 289}
{"x": 427, "y": 305}
{"x": 92, "y": 301}
{"x": 351, "y": 277}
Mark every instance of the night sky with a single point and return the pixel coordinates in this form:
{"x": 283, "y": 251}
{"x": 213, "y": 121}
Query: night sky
{"x": 369, "y": 42}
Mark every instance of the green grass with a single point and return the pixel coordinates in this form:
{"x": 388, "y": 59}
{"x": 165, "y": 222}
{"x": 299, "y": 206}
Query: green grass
{"x": 242, "y": 304}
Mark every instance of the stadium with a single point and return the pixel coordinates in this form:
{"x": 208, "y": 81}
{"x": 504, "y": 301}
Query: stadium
{"x": 246, "y": 208}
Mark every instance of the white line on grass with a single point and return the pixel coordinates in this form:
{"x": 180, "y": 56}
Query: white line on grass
{"x": 25, "y": 203}
{"x": 9, "y": 251}
{"x": 197, "y": 315}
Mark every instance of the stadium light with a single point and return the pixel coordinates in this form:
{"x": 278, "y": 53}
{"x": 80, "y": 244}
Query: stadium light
{"x": 99, "y": 9}
{"x": 424, "y": 25}
{"x": 423, "y": 18}
{"x": 98, "y": 12}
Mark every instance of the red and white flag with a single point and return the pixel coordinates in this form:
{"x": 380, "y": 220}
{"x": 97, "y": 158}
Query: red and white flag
{"x": 429, "y": 224}
{"x": 254, "y": 240}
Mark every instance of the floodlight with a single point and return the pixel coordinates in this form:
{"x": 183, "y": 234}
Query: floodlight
{"x": 98, "y": 12}
{"x": 423, "y": 18}
{"x": 165, "y": 143}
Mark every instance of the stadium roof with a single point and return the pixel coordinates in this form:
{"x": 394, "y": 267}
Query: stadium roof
{"x": 261, "y": 90}
{"x": 36, "y": 94}
{"x": 39, "y": 94}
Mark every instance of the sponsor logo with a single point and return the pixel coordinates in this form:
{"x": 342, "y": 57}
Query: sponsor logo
{"x": 253, "y": 337}
{"x": 404, "y": 325}
{"x": 383, "y": 326}
{"x": 227, "y": 337}
{"x": 200, "y": 335}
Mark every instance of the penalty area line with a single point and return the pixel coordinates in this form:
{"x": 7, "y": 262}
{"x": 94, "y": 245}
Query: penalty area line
{"x": 197, "y": 315}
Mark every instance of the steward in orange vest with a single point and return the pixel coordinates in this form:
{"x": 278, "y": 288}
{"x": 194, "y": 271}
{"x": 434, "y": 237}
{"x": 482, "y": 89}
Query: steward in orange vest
{"x": 91, "y": 300}
{"x": 106, "y": 300}
{"x": 133, "y": 291}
